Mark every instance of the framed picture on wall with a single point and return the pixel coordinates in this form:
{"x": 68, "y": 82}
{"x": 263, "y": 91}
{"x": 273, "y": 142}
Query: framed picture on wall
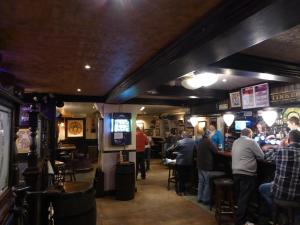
{"x": 75, "y": 128}
{"x": 149, "y": 132}
{"x": 157, "y": 132}
{"x": 235, "y": 99}
{"x": 5, "y": 138}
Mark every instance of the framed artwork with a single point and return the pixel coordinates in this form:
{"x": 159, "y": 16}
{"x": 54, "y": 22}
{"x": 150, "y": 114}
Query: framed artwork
{"x": 5, "y": 137}
{"x": 23, "y": 141}
{"x": 235, "y": 99}
{"x": 149, "y": 132}
{"x": 75, "y": 128}
{"x": 157, "y": 132}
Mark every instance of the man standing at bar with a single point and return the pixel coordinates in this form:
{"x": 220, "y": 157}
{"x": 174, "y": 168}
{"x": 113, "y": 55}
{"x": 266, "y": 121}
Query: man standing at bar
{"x": 294, "y": 123}
{"x": 141, "y": 141}
{"x": 245, "y": 152}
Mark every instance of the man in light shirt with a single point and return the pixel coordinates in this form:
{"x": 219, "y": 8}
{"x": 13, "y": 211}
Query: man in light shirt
{"x": 245, "y": 152}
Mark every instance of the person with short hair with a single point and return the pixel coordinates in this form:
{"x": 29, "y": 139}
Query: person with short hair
{"x": 141, "y": 142}
{"x": 286, "y": 184}
{"x": 245, "y": 152}
{"x": 184, "y": 161}
{"x": 205, "y": 164}
{"x": 216, "y": 136}
{"x": 294, "y": 123}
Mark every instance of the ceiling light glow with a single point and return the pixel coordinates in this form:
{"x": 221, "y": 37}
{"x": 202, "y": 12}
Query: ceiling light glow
{"x": 142, "y": 108}
{"x": 78, "y": 90}
{"x": 269, "y": 117}
{"x": 200, "y": 80}
{"x": 224, "y": 80}
{"x": 87, "y": 67}
{"x": 228, "y": 119}
{"x": 193, "y": 96}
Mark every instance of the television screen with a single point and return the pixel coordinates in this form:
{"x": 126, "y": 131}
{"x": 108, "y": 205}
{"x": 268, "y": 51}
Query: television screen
{"x": 242, "y": 124}
{"x": 121, "y": 125}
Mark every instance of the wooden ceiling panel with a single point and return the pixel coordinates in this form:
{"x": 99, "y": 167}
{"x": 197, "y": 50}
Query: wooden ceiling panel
{"x": 46, "y": 43}
{"x": 283, "y": 47}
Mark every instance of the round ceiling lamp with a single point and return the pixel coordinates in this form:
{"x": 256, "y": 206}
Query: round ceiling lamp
{"x": 228, "y": 119}
{"x": 194, "y": 81}
{"x": 269, "y": 117}
{"x": 194, "y": 121}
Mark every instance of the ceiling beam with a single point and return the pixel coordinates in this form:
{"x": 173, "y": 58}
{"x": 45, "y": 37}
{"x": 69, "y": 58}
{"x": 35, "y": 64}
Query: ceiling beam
{"x": 258, "y": 67}
{"x": 179, "y": 91}
{"x": 226, "y": 32}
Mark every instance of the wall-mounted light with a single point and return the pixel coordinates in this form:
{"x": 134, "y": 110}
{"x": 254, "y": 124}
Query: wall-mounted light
{"x": 269, "y": 116}
{"x": 228, "y": 119}
{"x": 194, "y": 121}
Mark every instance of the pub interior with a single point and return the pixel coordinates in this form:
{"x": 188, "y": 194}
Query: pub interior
{"x": 138, "y": 112}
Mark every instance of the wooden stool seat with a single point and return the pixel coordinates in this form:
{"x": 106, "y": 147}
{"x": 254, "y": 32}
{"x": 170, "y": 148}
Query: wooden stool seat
{"x": 172, "y": 177}
{"x": 224, "y": 200}
{"x": 287, "y": 208}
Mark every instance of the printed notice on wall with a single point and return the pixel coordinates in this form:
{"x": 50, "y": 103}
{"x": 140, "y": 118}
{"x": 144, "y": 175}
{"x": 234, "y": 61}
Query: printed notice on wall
{"x": 261, "y": 95}
{"x": 248, "y": 97}
{"x": 118, "y": 135}
{"x": 255, "y": 96}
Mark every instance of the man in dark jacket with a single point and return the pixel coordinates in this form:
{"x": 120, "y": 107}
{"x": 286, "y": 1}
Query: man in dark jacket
{"x": 205, "y": 164}
{"x": 184, "y": 160}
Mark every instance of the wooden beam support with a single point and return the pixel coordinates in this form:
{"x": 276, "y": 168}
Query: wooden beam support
{"x": 257, "y": 67}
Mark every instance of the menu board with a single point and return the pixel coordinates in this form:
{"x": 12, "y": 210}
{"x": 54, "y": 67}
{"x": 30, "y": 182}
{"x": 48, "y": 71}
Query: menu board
{"x": 255, "y": 96}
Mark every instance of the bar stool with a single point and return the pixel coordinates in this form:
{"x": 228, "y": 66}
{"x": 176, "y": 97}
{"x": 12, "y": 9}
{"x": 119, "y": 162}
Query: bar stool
{"x": 172, "y": 177}
{"x": 59, "y": 176}
{"x": 287, "y": 208}
{"x": 224, "y": 199}
{"x": 213, "y": 175}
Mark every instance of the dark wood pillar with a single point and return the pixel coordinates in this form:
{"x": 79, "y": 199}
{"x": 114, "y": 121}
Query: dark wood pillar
{"x": 32, "y": 173}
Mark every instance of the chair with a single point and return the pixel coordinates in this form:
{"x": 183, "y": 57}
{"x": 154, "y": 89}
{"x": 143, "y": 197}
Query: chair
{"x": 224, "y": 200}
{"x": 77, "y": 208}
{"x": 287, "y": 208}
{"x": 172, "y": 176}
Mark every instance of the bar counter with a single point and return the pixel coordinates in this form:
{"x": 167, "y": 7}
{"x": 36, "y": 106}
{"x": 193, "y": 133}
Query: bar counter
{"x": 265, "y": 169}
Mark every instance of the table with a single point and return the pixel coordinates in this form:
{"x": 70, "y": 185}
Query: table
{"x": 71, "y": 148}
{"x": 78, "y": 186}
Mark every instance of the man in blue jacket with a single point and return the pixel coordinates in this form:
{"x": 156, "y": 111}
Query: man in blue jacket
{"x": 184, "y": 161}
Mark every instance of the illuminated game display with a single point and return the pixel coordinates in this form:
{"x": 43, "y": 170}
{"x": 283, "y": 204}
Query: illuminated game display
{"x": 121, "y": 128}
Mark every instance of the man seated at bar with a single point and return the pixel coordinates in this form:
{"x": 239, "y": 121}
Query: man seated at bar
{"x": 245, "y": 152}
{"x": 286, "y": 184}
{"x": 184, "y": 160}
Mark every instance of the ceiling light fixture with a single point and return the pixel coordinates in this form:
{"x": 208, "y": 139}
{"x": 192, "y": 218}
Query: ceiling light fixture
{"x": 87, "y": 67}
{"x": 269, "y": 117}
{"x": 78, "y": 90}
{"x": 224, "y": 80}
{"x": 228, "y": 119}
{"x": 194, "y": 81}
{"x": 142, "y": 108}
{"x": 194, "y": 121}
{"x": 193, "y": 96}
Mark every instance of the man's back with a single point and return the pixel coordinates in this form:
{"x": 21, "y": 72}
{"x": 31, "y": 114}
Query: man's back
{"x": 245, "y": 151}
{"x": 185, "y": 151}
{"x": 287, "y": 176}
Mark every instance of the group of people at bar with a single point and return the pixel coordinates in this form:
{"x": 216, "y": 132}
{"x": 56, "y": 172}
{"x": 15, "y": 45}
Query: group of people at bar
{"x": 245, "y": 152}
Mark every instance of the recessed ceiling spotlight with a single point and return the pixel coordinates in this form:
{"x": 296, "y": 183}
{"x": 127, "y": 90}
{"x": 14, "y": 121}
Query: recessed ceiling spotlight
{"x": 142, "y": 108}
{"x": 78, "y": 90}
{"x": 224, "y": 80}
{"x": 193, "y": 96}
{"x": 87, "y": 67}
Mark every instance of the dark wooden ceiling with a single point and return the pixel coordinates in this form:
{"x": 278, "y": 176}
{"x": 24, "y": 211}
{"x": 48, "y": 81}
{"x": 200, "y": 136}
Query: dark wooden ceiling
{"x": 46, "y": 44}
